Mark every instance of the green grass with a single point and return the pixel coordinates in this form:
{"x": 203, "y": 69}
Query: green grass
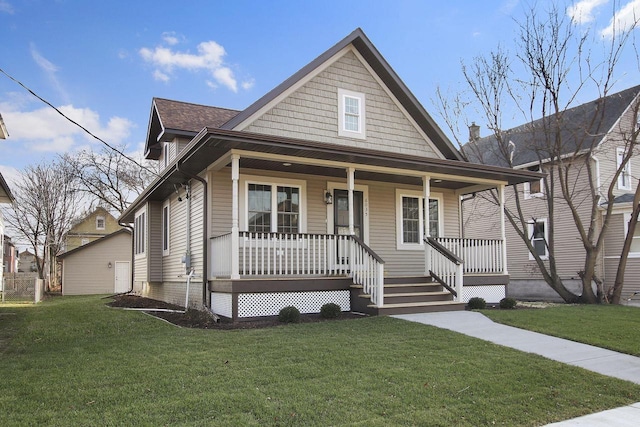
{"x": 73, "y": 361}
{"x": 609, "y": 326}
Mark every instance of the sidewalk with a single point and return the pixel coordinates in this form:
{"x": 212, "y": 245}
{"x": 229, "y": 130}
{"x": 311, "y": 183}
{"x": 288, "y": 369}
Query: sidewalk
{"x": 605, "y": 362}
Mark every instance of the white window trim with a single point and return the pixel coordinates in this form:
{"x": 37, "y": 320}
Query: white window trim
{"x": 166, "y": 251}
{"x": 245, "y": 180}
{"x": 104, "y": 222}
{"x": 136, "y": 232}
{"x": 546, "y": 237}
{"x": 165, "y": 152}
{"x": 400, "y": 193}
{"x": 527, "y": 188}
{"x": 625, "y": 220}
{"x": 342, "y": 94}
{"x": 621, "y": 151}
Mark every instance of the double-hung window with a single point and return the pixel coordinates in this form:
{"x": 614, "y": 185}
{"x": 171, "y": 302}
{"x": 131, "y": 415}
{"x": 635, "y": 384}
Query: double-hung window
{"x": 415, "y": 219}
{"x": 539, "y": 235}
{"x": 351, "y": 114}
{"x": 624, "y": 179}
{"x": 100, "y": 223}
{"x": 273, "y": 207}
{"x": 139, "y": 227}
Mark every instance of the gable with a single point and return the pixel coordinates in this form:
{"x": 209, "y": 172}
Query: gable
{"x": 88, "y": 224}
{"x": 312, "y": 111}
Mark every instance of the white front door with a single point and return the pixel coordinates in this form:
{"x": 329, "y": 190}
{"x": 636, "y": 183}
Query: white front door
{"x": 123, "y": 277}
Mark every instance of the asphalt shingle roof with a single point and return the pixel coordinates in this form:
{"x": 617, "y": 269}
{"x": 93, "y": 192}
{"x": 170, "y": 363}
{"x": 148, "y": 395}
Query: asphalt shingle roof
{"x": 189, "y": 117}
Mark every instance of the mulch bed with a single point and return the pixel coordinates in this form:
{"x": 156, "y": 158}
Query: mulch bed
{"x": 203, "y": 320}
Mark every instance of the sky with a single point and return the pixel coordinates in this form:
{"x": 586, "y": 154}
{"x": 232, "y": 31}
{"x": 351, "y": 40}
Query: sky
{"x": 101, "y": 63}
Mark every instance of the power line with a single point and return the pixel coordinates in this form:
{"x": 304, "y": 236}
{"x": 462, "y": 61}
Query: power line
{"x": 77, "y": 124}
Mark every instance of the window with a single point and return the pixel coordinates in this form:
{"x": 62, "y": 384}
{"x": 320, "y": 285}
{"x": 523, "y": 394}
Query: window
{"x": 535, "y": 188}
{"x": 351, "y": 114}
{"x": 273, "y": 207}
{"x": 100, "y": 223}
{"x": 539, "y": 237}
{"x": 165, "y": 228}
{"x": 624, "y": 179}
{"x": 413, "y": 221}
{"x": 165, "y": 154}
{"x": 139, "y": 224}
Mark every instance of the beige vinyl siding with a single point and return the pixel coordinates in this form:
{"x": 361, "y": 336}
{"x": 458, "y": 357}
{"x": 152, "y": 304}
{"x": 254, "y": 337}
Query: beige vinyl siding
{"x": 381, "y": 210}
{"x": 606, "y": 154}
{"x": 86, "y": 271}
{"x": 154, "y": 239}
{"x": 631, "y": 275}
{"x": 172, "y": 265}
{"x": 615, "y": 236}
{"x": 311, "y": 112}
{"x": 140, "y": 268}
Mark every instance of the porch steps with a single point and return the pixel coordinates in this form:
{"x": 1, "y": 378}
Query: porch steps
{"x": 406, "y": 295}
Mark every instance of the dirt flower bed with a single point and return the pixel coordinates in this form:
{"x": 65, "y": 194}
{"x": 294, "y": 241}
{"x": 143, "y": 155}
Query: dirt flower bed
{"x": 203, "y": 320}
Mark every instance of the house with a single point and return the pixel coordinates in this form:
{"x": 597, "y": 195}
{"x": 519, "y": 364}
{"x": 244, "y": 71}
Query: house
{"x": 9, "y": 256}
{"x": 102, "y": 266}
{"x": 5, "y": 197}
{"x": 95, "y": 225}
{"x": 313, "y": 194}
{"x": 27, "y": 262}
{"x": 596, "y": 135}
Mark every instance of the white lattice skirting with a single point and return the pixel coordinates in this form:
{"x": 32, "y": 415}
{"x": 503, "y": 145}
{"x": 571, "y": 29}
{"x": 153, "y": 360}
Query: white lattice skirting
{"x": 270, "y": 304}
{"x": 490, "y": 293}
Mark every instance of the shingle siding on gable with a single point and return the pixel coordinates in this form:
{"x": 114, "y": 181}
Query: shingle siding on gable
{"x": 311, "y": 112}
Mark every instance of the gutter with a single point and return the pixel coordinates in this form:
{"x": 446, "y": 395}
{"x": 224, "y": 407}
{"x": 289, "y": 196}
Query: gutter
{"x": 132, "y": 253}
{"x": 205, "y": 232}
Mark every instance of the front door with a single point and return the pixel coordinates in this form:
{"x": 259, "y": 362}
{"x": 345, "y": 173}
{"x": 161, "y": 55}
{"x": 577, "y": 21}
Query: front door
{"x": 341, "y": 213}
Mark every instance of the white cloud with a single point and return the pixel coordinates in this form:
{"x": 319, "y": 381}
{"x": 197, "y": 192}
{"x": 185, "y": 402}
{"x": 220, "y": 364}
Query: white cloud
{"x": 11, "y": 175}
{"x": 50, "y": 70}
{"x": 623, "y": 19}
{"x": 582, "y": 11}
{"x": 170, "y": 38}
{"x": 248, "y": 84}
{"x": 508, "y": 5}
{"x": 6, "y": 7}
{"x": 45, "y": 130}
{"x": 209, "y": 57}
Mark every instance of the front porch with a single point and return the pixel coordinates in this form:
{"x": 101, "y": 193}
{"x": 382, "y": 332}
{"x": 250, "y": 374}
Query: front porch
{"x": 267, "y": 271}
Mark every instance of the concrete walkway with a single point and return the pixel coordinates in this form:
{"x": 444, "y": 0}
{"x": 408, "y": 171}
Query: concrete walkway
{"x": 605, "y": 362}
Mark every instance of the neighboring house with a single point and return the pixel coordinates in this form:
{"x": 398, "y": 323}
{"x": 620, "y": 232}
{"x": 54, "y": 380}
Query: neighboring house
{"x": 9, "y": 256}
{"x": 102, "y": 266}
{"x": 598, "y": 131}
{"x": 27, "y": 262}
{"x": 313, "y": 194}
{"x": 97, "y": 224}
{"x": 5, "y": 197}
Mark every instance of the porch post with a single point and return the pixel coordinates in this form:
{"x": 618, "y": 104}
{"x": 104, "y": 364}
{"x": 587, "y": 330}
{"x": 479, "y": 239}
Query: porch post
{"x": 502, "y": 230}
{"x": 235, "y": 216}
{"x": 351, "y": 186}
{"x": 426, "y": 188}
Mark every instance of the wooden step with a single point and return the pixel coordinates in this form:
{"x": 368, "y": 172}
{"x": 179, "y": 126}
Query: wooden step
{"x": 408, "y": 297}
{"x": 417, "y": 307}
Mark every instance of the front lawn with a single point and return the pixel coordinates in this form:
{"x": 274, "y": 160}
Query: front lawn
{"x": 614, "y": 327}
{"x": 74, "y": 361}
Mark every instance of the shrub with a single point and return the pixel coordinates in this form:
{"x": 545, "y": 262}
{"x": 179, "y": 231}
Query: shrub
{"x": 330, "y": 310}
{"x": 289, "y": 314}
{"x": 508, "y": 303}
{"x": 477, "y": 303}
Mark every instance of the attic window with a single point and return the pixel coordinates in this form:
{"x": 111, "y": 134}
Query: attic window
{"x": 534, "y": 188}
{"x": 100, "y": 223}
{"x": 351, "y": 114}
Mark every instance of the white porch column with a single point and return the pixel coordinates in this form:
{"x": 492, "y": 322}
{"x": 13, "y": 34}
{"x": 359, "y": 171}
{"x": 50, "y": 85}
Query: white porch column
{"x": 426, "y": 189}
{"x": 502, "y": 229}
{"x": 235, "y": 217}
{"x": 351, "y": 185}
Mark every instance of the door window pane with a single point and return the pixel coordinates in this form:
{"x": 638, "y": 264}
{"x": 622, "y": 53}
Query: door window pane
{"x": 288, "y": 209}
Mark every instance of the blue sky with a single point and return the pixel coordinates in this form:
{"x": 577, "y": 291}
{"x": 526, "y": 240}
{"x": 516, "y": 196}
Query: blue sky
{"x": 103, "y": 62}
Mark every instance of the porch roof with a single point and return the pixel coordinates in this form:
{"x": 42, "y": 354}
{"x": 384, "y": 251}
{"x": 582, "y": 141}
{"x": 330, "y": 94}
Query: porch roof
{"x": 324, "y": 159}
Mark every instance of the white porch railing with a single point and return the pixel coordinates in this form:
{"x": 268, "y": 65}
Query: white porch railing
{"x": 284, "y": 254}
{"x": 480, "y": 256}
{"x": 445, "y": 265}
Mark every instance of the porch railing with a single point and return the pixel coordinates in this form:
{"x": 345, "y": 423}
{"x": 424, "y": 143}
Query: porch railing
{"x": 481, "y": 256}
{"x": 286, "y": 254}
{"x": 445, "y": 265}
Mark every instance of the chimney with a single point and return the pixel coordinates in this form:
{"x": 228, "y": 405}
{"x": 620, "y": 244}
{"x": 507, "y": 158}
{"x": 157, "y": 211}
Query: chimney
{"x": 474, "y": 132}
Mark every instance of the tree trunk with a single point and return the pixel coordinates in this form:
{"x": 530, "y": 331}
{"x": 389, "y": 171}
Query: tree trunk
{"x": 616, "y": 292}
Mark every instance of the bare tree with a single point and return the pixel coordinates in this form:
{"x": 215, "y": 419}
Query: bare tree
{"x": 112, "y": 179}
{"x": 553, "y": 67}
{"x": 47, "y": 203}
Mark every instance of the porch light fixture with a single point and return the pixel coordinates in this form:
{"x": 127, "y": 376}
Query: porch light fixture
{"x": 109, "y": 265}
{"x": 328, "y": 198}
{"x": 286, "y": 165}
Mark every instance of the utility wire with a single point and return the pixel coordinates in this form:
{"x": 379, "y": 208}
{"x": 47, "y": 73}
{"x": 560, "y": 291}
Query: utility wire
{"x": 78, "y": 124}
